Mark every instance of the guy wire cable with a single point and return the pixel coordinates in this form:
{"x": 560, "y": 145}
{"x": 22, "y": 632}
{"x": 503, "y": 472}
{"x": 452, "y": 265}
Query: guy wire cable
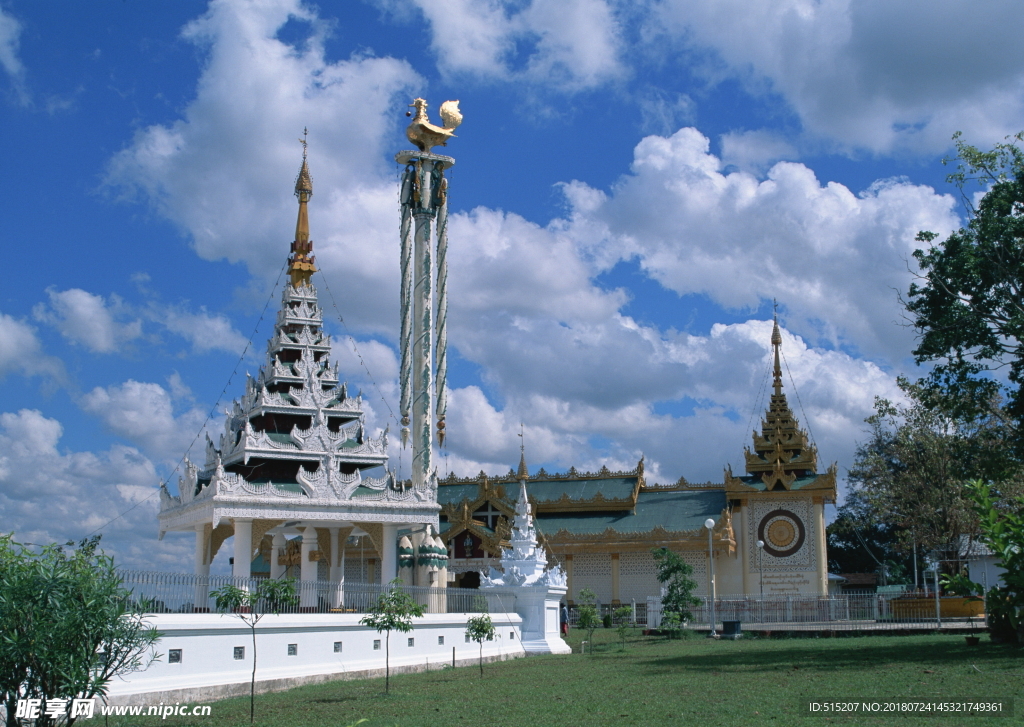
{"x": 209, "y": 415}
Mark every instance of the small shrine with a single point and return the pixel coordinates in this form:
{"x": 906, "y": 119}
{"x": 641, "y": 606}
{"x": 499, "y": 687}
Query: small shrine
{"x": 291, "y": 458}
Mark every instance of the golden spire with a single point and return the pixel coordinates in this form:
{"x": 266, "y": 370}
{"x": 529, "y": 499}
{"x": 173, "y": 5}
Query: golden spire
{"x": 524, "y": 473}
{"x": 776, "y": 343}
{"x": 302, "y": 263}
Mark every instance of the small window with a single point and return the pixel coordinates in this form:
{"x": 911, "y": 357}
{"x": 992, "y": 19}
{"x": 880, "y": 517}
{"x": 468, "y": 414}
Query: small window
{"x": 412, "y": 641}
{"x": 440, "y": 641}
{"x": 293, "y": 649}
{"x": 239, "y": 653}
{"x": 337, "y": 647}
{"x": 376, "y": 644}
{"x": 512, "y": 635}
{"x": 174, "y": 656}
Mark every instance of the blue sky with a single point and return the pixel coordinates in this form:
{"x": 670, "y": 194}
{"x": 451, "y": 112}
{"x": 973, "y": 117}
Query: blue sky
{"x": 635, "y": 183}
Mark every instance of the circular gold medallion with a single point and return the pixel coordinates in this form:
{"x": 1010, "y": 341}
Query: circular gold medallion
{"x": 782, "y": 532}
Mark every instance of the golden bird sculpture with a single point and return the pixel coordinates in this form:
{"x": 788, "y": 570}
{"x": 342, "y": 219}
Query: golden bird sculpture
{"x": 424, "y": 134}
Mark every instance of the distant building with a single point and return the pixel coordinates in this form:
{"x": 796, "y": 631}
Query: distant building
{"x": 601, "y": 526}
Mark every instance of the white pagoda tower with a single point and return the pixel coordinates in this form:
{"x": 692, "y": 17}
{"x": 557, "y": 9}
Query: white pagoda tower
{"x": 291, "y": 457}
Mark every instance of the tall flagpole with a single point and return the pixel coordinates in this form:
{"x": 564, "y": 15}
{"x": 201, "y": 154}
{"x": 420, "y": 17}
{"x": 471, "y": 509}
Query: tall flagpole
{"x": 424, "y": 200}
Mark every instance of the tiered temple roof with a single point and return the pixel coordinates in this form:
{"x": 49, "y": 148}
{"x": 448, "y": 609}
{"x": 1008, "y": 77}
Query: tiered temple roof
{"x": 783, "y": 458}
{"x": 296, "y": 438}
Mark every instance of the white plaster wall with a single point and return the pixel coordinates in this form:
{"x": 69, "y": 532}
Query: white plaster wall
{"x": 207, "y": 642}
{"x": 593, "y": 571}
{"x": 638, "y": 577}
{"x": 984, "y": 570}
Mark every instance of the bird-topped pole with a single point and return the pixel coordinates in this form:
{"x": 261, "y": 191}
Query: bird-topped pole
{"x": 424, "y": 198}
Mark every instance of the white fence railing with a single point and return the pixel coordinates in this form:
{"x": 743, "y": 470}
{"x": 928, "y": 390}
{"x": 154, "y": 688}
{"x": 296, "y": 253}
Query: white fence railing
{"x": 158, "y": 592}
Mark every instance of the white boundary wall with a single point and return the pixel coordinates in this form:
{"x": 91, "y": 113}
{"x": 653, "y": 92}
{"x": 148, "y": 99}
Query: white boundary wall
{"x": 209, "y": 671}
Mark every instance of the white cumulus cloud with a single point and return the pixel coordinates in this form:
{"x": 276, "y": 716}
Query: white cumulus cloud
{"x": 10, "y": 60}
{"x": 144, "y": 414}
{"x": 562, "y": 44}
{"x": 872, "y": 74}
{"x": 833, "y": 258}
{"x": 88, "y": 319}
{"x": 49, "y": 494}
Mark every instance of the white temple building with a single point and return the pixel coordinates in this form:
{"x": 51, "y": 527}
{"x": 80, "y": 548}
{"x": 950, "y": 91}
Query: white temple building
{"x": 291, "y": 457}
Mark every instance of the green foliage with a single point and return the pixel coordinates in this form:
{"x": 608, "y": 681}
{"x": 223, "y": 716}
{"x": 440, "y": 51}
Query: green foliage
{"x": 270, "y": 596}
{"x": 480, "y": 629}
{"x": 588, "y": 619}
{"x": 1002, "y": 531}
{"x": 675, "y": 573}
{"x": 671, "y": 624}
{"x": 966, "y": 305}
{"x": 67, "y": 627}
{"x": 908, "y": 479}
{"x": 394, "y": 611}
{"x": 624, "y": 617}
{"x": 961, "y": 585}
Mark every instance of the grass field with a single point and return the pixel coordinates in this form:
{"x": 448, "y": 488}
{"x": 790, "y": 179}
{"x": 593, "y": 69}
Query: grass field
{"x": 656, "y": 682}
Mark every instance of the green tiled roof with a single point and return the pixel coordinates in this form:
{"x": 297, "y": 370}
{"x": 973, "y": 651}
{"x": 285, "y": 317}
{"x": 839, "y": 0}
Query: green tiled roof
{"x": 612, "y": 488}
{"x": 756, "y": 482}
{"x": 457, "y": 493}
{"x": 674, "y": 511}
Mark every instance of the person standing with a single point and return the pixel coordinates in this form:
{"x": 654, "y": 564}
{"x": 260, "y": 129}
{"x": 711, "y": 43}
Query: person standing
{"x": 563, "y": 618}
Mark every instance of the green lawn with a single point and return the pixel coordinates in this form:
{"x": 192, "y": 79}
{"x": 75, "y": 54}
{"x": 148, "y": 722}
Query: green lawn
{"x": 654, "y": 682}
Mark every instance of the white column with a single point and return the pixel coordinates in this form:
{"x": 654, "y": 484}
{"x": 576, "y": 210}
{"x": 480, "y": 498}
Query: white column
{"x": 422, "y": 359}
{"x": 389, "y": 554}
{"x": 279, "y": 544}
{"x": 202, "y": 569}
{"x": 820, "y": 546}
{"x": 243, "y": 548}
{"x": 336, "y": 574}
{"x": 307, "y": 571}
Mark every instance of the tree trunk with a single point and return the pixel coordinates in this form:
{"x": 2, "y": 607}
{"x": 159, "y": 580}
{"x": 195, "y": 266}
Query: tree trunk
{"x": 387, "y": 663}
{"x": 481, "y": 658}
{"x": 252, "y": 684}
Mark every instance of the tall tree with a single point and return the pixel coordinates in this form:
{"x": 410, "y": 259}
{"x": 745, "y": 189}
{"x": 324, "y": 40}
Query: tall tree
{"x": 908, "y": 478}
{"x": 968, "y": 305}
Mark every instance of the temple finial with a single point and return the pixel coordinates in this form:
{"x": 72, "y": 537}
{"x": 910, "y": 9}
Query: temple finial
{"x": 524, "y": 473}
{"x": 776, "y": 343}
{"x": 302, "y": 263}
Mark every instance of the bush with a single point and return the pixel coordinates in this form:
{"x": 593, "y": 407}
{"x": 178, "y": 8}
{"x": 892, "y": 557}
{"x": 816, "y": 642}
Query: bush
{"x": 67, "y": 626}
{"x": 607, "y": 621}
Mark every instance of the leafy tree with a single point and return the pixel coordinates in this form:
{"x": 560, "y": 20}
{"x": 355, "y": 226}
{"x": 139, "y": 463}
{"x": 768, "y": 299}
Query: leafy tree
{"x": 393, "y": 611}
{"x": 67, "y": 626}
{"x": 1002, "y": 531}
{"x": 908, "y": 478}
{"x": 624, "y": 615}
{"x": 860, "y": 542}
{"x": 675, "y": 573}
{"x": 480, "y": 629}
{"x": 588, "y": 617}
{"x": 968, "y": 305}
{"x": 270, "y": 596}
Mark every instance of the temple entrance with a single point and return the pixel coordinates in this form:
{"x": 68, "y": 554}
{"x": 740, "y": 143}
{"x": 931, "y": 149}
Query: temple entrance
{"x": 470, "y": 579}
